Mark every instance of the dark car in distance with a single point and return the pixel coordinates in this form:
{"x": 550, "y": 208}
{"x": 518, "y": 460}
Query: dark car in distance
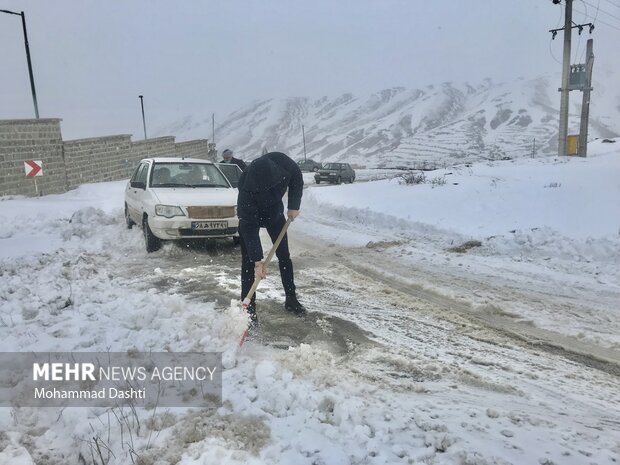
{"x": 309, "y": 165}
{"x": 335, "y": 173}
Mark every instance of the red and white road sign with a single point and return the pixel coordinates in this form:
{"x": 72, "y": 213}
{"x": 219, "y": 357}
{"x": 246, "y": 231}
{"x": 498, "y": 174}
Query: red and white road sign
{"x": 33, "y": 168}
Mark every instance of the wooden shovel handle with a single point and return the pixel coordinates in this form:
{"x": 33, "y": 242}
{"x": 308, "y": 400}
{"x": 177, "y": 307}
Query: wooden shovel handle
{"x": 257, "y": 279}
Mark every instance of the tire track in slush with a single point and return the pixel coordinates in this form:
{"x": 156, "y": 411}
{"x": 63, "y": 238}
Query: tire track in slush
{"x": 197, "y": 271}
{"x": 386, "y": 332}
{"x": 387, "y": 273}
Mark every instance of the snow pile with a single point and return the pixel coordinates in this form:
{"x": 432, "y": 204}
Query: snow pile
{"x": 576, "y": 197}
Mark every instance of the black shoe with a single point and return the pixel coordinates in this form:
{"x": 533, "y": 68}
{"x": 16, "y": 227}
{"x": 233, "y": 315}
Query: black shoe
{"x": 293, "y": 305}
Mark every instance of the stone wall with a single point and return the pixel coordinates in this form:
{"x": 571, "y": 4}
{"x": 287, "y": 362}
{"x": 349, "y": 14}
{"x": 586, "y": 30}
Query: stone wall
{"x": 67, "y": 164}
{"x": 159, "y": 147}
{"x": 149, "y": 148}
{"x": 27, "y": 139}
{"x": 194, "y": 149}
{"x": 97, "y": 159}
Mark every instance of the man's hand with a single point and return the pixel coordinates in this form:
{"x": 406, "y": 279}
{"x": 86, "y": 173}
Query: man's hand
{"x": 292, "y": 214}
{"x": 260, "y": 270}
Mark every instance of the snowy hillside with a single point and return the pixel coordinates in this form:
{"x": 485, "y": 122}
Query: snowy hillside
{"x": 436, "y": 125}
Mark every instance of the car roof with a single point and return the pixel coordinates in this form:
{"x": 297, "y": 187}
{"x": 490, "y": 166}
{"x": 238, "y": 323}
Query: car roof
{"x": 177, "y": 160}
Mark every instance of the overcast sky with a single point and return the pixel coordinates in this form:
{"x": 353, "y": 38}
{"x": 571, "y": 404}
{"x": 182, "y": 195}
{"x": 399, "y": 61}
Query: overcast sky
{"x": 92, "y": 59}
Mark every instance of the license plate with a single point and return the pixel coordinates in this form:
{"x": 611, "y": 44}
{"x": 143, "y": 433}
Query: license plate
{"x": 209, "y": 225}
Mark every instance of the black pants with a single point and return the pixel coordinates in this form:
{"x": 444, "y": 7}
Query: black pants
{"x": 284, "y": 259}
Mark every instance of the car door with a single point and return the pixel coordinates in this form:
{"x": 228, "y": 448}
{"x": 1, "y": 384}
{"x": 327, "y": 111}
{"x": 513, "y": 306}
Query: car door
{"x": 130, "y": 192}
{"x": 143, "y": 192}
{"x": 133, "y": 189}
{"x": 349, "y": 173}
{"x": 342, "y": 172}
{"x": 231, "y": 172}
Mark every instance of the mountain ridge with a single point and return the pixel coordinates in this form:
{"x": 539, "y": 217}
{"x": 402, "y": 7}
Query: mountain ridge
{"x": 439, "y": 124}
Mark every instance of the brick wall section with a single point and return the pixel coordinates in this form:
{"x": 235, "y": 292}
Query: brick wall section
{"x": 68, "y": 164}
{"x": 150, "y": 148}
{"x": 158, "y": 147}
{"x": 97, "y": 159}
{"x": 27, "y": 139}
{"x": 194, "y": 149}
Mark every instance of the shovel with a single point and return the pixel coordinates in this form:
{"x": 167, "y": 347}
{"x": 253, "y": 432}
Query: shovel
{"x": 248, "y": 298}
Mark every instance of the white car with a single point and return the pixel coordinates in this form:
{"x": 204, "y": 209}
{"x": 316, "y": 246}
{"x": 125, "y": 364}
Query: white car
{"x": 180, "y": 198}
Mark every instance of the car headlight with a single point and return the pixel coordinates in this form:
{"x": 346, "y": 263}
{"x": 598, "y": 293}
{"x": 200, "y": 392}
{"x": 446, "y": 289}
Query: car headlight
{"x": 169, "y": 211}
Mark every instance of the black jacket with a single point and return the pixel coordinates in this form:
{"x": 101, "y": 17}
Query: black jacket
{"x": 261, "y": 188}
{"x": 240, "y": 163}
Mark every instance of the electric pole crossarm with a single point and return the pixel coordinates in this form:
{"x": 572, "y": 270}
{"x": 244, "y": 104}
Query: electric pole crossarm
{"x": 554, "y": 32}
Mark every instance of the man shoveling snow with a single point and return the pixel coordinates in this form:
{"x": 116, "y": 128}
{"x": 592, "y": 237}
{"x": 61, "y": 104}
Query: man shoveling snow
{"x": 259, "y": 205}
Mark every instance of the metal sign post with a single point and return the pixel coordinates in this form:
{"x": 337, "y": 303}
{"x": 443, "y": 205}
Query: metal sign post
{"x": 34, "y": 168}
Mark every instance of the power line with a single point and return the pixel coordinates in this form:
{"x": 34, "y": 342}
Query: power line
{"x": 579, "y": 41}
{"x": 551, "y": 53}
{"x": 601, "y": 10}
{"x": 602, "y": 22}
{"x": 612, "y": 3}
{"x": 593, "y": 21}
{"x": 551, "y": 40}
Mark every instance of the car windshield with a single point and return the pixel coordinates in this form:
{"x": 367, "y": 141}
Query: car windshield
{"x": 184, "y": 174}
{"x": 332, "y": 166}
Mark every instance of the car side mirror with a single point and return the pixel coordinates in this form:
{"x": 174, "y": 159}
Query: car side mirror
{"x": 138, "y": 185}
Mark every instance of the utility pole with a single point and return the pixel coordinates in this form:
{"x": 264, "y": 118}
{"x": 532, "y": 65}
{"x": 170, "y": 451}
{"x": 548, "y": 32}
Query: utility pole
{"x": 573, "y": 78}
{"x": 564, "y": 100}
{"x": 30, "y": 73}
{"x": 534, "y": 148}
{"x": 34, "y": 92}
{"x": 213, "y": 127}
{"x": 141, "y": 97}
{"x": 303, "y": 133}
{"x": 585, "y": 103}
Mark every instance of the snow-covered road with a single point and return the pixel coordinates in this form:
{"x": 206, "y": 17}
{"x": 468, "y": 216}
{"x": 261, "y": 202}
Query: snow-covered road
{"x": 411, "y": 353}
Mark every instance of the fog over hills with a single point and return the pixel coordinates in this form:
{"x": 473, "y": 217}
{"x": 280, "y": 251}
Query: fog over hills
{"x": 438, "y": 125}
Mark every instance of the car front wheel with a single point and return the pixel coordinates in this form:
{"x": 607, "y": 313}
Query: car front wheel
{"x": 318, "y": 181}
{"x": 128, "y": 221}
{"x": 339, "y": 181}
{"x": 152, "y": 242}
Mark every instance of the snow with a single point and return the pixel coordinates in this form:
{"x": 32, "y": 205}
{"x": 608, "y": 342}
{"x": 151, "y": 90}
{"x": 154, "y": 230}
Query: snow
{"x": 578, "y": 197}
{"x": 543, "y": 224}
{"x": 416, "y": 388}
